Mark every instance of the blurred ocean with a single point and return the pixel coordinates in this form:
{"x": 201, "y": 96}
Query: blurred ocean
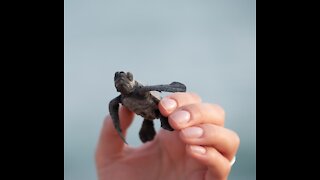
{"x": 208, "y": 45}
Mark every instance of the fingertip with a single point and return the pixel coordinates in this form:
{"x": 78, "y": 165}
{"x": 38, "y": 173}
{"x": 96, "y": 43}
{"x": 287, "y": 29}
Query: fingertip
{"x": 219, "y": 167}
{"x": 197, "y": 150}
{"x": 170, "y": 103}
{"x": 125, "y": 111}
{"x": 179, "y": 119}
{"x": 167, "y": 106}
{"x": 126, "y": 116}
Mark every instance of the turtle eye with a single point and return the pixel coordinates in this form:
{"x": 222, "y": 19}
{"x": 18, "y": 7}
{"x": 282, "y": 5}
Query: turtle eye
{"x": 130, "y": 76}
{"x": 116, "y": 75}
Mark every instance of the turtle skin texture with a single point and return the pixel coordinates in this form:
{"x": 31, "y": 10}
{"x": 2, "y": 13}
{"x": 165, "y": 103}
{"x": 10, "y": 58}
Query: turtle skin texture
{"x": 139, "y": 99}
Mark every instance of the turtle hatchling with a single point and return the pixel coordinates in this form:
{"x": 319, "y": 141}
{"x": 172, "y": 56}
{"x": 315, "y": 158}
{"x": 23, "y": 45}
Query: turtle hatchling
{"x": 138, "y": 99}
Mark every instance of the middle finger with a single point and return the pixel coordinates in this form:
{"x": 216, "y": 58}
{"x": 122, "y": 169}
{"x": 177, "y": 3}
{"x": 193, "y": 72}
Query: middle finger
{"x": 194, "y": 114}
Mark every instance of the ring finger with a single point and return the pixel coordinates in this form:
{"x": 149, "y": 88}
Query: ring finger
{"x": 222, "y": 139}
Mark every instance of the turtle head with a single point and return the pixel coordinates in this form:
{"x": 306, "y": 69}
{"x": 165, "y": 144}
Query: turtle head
{"x": 124, "y": 82}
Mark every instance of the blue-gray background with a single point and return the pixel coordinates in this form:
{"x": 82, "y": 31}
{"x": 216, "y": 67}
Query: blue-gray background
{"x": 208, "y": 45}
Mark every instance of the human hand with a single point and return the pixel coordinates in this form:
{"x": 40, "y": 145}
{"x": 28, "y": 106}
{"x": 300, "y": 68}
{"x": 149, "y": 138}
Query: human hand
{"x": 200, "y": 148}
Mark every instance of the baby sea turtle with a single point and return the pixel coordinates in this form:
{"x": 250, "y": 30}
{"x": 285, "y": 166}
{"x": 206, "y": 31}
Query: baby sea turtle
{"x": 139, "y": 100}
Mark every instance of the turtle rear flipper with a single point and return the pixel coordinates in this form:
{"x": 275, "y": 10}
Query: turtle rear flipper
{"x": 165, "y": 123}
{"x": 147, "y": 131}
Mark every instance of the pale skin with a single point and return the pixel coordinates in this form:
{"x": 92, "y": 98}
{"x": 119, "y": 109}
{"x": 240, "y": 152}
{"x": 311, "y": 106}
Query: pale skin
{"x": 199, "y": 148}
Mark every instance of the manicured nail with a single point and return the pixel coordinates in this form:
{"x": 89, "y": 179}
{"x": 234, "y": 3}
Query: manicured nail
{"x": 192, "y": 132}
{"x": 198, "y": 149}
{"x": 180, "y": 117}
{"x": 169, "y": 104}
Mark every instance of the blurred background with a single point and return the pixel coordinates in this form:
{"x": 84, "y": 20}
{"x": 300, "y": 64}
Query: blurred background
{"x": 208, "y": 45}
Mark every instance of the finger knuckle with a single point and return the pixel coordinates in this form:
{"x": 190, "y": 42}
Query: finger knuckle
{"x": 195, "y": 96}
{"x": 219, "y": 109}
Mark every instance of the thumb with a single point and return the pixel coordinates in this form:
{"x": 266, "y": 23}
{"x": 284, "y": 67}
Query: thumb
{"x": 110, "y": 143}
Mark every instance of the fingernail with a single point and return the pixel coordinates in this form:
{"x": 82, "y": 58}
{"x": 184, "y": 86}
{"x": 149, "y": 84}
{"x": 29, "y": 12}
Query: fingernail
{"x": 180, "y": 117}
{"x": 169, "y": 104}
{"x": 198, "y": 149}
{"x": 192, "y": 132}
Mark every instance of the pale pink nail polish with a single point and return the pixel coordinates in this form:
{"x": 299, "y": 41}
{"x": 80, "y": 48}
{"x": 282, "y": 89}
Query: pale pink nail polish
{"x": 198, "y": 149}
{"x": 169, "y": 104}
{"x": 181, "y": 117}
{"x": 192, "y": 132}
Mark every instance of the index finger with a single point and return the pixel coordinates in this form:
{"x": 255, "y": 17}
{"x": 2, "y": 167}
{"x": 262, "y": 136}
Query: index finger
{"x": 170, "y": 103}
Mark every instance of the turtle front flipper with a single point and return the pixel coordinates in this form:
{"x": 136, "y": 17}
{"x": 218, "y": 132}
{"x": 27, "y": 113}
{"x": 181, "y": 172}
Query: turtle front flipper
{"x": 114, "y": 113}
{"x": 173, "y": 87}
{"x": 147, "y": 131}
